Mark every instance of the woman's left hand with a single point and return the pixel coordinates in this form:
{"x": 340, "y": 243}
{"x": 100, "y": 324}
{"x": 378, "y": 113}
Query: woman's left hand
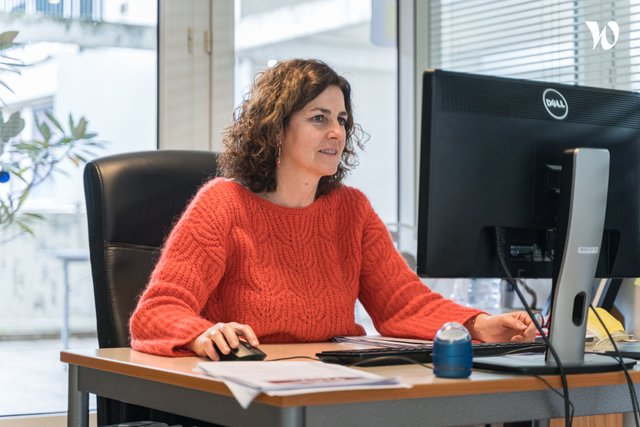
{"x": 516, "y": 326}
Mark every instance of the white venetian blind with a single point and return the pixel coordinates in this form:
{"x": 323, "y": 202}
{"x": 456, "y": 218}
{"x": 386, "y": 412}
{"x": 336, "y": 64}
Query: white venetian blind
{"x": 540, "y": 40}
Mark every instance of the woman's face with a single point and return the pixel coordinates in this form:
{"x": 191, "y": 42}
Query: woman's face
{"x": 314, "y": 138}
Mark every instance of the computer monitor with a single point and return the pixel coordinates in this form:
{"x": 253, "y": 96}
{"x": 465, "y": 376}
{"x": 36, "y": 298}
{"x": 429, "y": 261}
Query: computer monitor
{"x": 550, "y": 171}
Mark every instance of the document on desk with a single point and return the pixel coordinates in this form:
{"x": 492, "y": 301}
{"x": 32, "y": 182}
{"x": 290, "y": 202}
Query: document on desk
{"x": 246, "y": 380}
{"x": 380, "y": 341}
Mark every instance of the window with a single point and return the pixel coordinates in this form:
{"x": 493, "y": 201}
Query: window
{"x": 355, "y": 37}
{"x": 540, "y": 40}
{"x": 545, "y": 40}
{"x": 91, "y": 58}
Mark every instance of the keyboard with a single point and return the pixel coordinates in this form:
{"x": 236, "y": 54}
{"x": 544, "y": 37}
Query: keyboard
{"x": 399, "y": 355}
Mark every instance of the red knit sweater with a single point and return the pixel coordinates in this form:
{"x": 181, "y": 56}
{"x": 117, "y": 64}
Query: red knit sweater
{"x": 292, "y": 274}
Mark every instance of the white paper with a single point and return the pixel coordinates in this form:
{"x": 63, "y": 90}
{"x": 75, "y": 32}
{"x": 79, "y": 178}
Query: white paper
{"x": 248, "y": 379}
{"x": 243, "y": 394}
{"x": 379, "y": 341}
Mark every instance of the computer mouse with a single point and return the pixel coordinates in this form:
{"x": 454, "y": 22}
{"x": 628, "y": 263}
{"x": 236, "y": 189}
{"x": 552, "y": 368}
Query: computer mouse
{"x": 245, "y": 351}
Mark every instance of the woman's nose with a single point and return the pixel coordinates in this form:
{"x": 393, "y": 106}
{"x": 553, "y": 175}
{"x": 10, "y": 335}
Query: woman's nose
{"x": 336, "y": 130}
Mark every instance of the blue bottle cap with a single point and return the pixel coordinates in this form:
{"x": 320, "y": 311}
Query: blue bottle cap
{"x": 452, "y": 351}
{"x": 4, "y": 177}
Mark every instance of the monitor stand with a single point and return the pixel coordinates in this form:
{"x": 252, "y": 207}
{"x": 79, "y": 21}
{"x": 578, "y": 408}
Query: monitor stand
{"x": 536, "y": 364}
{"x": 583, "y": 200}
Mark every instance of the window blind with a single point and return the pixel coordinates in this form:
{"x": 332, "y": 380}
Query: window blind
{"x": 539, "y": 40}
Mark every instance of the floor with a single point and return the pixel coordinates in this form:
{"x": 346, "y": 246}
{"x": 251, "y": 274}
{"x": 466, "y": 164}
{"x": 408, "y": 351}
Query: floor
{"x": 33, "y": 380}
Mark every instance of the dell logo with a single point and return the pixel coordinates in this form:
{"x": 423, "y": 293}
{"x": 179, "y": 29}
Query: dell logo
{"x": 555, "y": 104}
{"x": 601, "y": 36}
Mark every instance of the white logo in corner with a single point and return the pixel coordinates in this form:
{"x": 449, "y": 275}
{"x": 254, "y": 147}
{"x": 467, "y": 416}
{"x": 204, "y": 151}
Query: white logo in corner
{"x": 601, "y": 36}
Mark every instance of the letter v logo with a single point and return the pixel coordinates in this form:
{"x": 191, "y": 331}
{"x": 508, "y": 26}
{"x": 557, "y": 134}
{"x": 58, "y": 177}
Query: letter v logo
{"x": 601, "y": 36}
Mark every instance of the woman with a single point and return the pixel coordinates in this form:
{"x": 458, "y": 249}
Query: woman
{"x": 279, "y": 249}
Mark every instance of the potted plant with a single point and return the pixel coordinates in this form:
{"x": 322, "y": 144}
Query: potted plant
{"x": 25, "y": 163}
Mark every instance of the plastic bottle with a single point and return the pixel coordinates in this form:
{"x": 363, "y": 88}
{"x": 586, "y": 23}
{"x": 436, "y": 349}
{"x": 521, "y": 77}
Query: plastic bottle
{"x": 485, "y": 294}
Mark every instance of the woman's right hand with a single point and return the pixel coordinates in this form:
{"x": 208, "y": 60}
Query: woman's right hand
{"x": 225, "y": 336}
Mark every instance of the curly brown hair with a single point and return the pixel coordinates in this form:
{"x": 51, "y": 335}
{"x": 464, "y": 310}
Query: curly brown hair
{"x": 252, "y": 140}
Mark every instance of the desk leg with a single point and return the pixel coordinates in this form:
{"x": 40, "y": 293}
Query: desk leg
{"x": 64, "y": 332}
{"x": 78, "y": 404}
{"x": 293, "y": 417}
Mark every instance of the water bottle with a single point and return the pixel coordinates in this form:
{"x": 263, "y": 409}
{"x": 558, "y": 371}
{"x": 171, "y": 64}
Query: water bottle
{"x": 484, "y": 294}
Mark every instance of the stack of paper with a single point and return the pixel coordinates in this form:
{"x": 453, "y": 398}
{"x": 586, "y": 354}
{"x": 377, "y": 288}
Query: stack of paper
{"x": 379, "y": 341}
{"x": 246, "y": 380}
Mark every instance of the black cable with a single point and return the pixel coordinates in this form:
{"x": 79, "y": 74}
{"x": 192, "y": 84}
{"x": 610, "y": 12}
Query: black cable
{"x": 568, "y": 413}
{"x": 293, "y": 357}
{"x": 364, "y": 363}
{"x": 531, "y": 292}
{"x": 618, "y": 356}
{"x": 555, "y": 391}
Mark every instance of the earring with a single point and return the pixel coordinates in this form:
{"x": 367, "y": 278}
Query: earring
{"x": 278, "y": 155}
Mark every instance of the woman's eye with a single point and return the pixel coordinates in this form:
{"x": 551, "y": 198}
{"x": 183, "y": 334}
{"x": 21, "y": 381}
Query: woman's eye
{"x": 342, "y": 121}
{"x": 319, "y": 118}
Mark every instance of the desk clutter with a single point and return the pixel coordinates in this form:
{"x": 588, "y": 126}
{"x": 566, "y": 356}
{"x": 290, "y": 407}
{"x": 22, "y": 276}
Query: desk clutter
{"x": 402, "y": 354}
{"x": 246, "y": 380}
{"x": 597, "y": 337}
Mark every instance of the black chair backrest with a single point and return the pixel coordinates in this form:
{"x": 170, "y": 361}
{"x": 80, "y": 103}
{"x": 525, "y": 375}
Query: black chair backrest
{"x": 133, "y": 200}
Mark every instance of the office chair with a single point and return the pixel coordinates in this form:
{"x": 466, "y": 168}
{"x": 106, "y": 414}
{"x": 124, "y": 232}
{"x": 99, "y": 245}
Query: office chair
{"x": 133, "y": 200}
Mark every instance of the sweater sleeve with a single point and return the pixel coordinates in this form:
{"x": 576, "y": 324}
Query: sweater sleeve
{"x": 168, "y": 315}
{"x": 398, "y": 302}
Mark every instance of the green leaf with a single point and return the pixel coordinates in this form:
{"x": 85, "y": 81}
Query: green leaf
{"x": 11, "y": 65}
{"x": 7, "y": 38}
{"x": 79, "y": 131}
{"x": 55, "y": 121}
{"x": 32, "y": 215}
{"x": 25, "y": 227}
{"x": 24, "y": 195}
{"x": 72, "y": 126}
{"x": 26, "y": 146}
{"x": 12, "y": 127}
{"x": 6, "y": 86}
{"x": 44, "y": 130}
{"x": 80, "y": 158}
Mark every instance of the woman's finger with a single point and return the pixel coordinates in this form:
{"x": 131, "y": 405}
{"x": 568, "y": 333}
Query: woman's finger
{"x": 229, "y": 332}
{"x": 206, "y": 347}
{"x": 247, "y": 332}
{"x": 219, "y": 338}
